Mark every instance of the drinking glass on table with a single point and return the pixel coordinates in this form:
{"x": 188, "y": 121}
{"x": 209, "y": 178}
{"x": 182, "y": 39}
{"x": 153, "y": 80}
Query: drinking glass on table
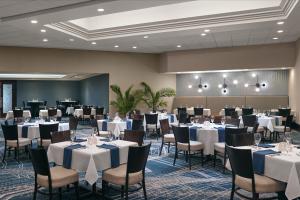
{"x": 257, "y": 139}
{"x": 212, "y": 119}
{"x": 223, "y": 121}
{"x": 288, "y": 137}
{"x": 72, "y": 136}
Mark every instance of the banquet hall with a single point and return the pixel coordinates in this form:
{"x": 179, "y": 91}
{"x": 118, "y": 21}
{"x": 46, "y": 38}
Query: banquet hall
{"x": 149, "y": 99}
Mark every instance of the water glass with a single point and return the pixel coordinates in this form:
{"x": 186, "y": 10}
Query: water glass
{"x": 257, "y": 139}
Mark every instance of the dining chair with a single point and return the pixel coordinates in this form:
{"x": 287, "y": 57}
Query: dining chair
{"x": 45, "y": 133}
{"x": 283, "y": 128}
{"x": 284, "y": 113}
{"x": 244, "y": 177}
{"x": 247, "y": 111}
{"x": 182, "y": 117}
{"x": 249, "y": 121}
{"x": 134, "y": 136}
{"x": 181, "y": 109}
{"x": 167, "y": 137}
{"x": 99, "y": 112}
{"x": 138, "y": 116}
{"x": 233, "y": 121}
{"x": 73, "y": 123}
{"x": 94, "y": 124}
{"x": 218, "y": 119}
{"x": 185, "y": 145}
{"x": 52, "y": 112}
{"x": 18, "y": 115}
{"x": 151, "y": 124}
{"x": 86, "y": 113}
{"x": 12, "y": 140}
{"x": 219, "y": 147}
{"x": 229, "y": 112}
{"x": 198, "y": 111}
{"x": 60, "y": 136}
{"x": 51, "y": 178}
{"x": 130, "y": 174}
{"x": 137, "y": 124}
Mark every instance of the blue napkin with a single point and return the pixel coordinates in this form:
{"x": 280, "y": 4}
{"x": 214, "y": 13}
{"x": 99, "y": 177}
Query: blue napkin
{"x": 171, "y": 118}
{"x": 266, "y": 145}
{"x": 114, "y": 154}
{"x": 25, "y": 131}
{"x": 221, "y": 134}
{"x": 79, "y": 140}
{"x": 128, "y": 124}
{"x": 259, "y": 160}
{"x": 104, "y": 140}
{"x": 193, "y": 133}
{"x": 67, "y": 160}
{"x": 104, "y": 125}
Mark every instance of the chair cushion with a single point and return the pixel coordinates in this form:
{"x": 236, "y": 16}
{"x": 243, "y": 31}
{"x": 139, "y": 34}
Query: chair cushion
{"x": 22, "y": 142}
{"x": 195, "y": 146}
{"x": 263, "y": 184}
{"x": 169, "y": 138}
{"x": 86, "y": 116}
{"x": 60, "y": 177}
{"x": 104, "y": 133}
{"x": 46, "y": 143}
{"x": 220, "y": 147}
{"x": 117, "y": 176}
{"x": 281, "y": 129}
{"x": 152, "y": 126}
{"x": 259, "y": 129}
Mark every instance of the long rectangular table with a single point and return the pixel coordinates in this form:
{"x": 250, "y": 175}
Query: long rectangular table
{"x": 90, "y": 159}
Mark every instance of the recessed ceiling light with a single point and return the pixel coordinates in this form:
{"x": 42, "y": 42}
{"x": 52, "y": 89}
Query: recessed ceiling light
{"x": 280, "y": 23}
{"x": 45, "y": 40}
{"x": 146, "y": 36}
{"x": 134, "y": 47}
{"x": 34, "y": 21}
{"x": 43, "y": 30}
{"x": 93, "y": 43}
{"x": 206, "y": 30}
{"x": 116, "y": 46}
{"x": 71, "y": 40}
{"x": 203, "y": 34}
{"x": 275, "y": 38}
{"x": 100, "y": 9}
{"x": 178, "y": 46}
{"x": 280, "y": 31}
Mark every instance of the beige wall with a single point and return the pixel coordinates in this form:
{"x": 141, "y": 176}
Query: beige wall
{"x": 124, "y": 69}
{"x": 245, "y": 57}
{"x": 294, "y": 84}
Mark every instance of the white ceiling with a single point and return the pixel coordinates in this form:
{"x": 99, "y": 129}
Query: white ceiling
{"x": 231, "y": 23}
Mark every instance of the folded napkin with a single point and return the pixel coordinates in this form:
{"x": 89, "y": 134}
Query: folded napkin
{"x": 128, "y": 124}
{"x": 221, "y": 134}
{"x": 266, "y": 145}
{"x": 67, "y": 160}
{"x": 104, "y": 125}
{"x": 193, "y": 133}
{"x": 259, "y": 160}
{"x": 25, "y": 131}
{"x": 79, "y": 140}
{"x": 114, "y": 154}
{"x": 104, "y": 140}
{"x": 171, "y": 118}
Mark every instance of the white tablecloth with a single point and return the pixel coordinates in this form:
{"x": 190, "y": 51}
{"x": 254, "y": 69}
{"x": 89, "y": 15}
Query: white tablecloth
{"x": 238, "y": 110}
{"x": 70, "y": 110}
{"x": 268, "y": 122}
{"x": 79, "y": 112}
{"x": 10, "y": 114}
{"x": 91, "y": 159}
{"x": 190, "y": 111}
{"x": 114, "y": 127}
{"x": 285, "y": 168}
{"x": 44, "y": 113}
{"x": 34, "y": 131}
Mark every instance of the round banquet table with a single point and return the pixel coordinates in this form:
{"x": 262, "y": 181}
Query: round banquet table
{"x": 10, "y": 114}
{"x": 79, "y": 112}
{"x": 44, "y": 113}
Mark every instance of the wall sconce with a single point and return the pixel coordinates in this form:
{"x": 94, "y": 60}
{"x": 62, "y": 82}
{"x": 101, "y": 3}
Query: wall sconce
{"x": 224, "y": 86}
{"x": 200, "y": 85}
{"x": 257, "y": 85}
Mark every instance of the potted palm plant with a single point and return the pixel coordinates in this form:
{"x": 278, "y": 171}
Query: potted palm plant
{"x": 127, "y": 102}
{"x": 155, "y": 99}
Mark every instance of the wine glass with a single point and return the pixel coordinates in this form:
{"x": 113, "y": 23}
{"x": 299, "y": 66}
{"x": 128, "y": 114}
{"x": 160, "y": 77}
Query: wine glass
{"x": 223, "y": 121}
{"x": 212, "y": 119}
{"x": 72, "y": 136}
{"x": 288, "y": 137}
{"x": 257, "y": 139}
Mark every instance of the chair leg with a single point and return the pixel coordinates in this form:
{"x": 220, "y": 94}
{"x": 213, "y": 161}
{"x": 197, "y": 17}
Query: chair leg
{"x": 175, "y": 156}
{"x": 255, "y": 196}
{"x": 169, "y": 147}
{"x": 126, "y": 192}
{"x": 224, "y": 164}
{"x": 162, "y": 144}
{"x": 189, "y": 156}
{"x": 202, "y": 158}
{"x": 232, "y": 191}
{"x": 50, "y": 193}
{"x": 215, "y": 158}
{"x": 144, "y": 189}
{"x": 59, "y": 193}
{"x": 281, "y": 196}
{"x": 15, "y": 151}
{"x": 103, "y": 188}
{"x": 186, "y": 156}
{"x": 122, "y": 192}
{"x": 35, "y": 191}
{"x": 76, "y": 190}
{"x": 4, "y": 153}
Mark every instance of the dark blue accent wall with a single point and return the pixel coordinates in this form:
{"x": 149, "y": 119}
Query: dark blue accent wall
{"x": 91, "y": 91}
{"x": 95, "y": 91}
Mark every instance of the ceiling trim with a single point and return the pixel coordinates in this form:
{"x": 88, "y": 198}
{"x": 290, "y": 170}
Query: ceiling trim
{"x": 279, "y": 13}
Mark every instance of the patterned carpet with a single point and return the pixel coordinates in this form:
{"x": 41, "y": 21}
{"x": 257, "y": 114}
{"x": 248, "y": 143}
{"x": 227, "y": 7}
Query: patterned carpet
{"x": 163, "y": 180}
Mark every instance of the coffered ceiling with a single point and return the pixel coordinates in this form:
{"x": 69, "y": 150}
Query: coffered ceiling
{"x": 150, "y": 26}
